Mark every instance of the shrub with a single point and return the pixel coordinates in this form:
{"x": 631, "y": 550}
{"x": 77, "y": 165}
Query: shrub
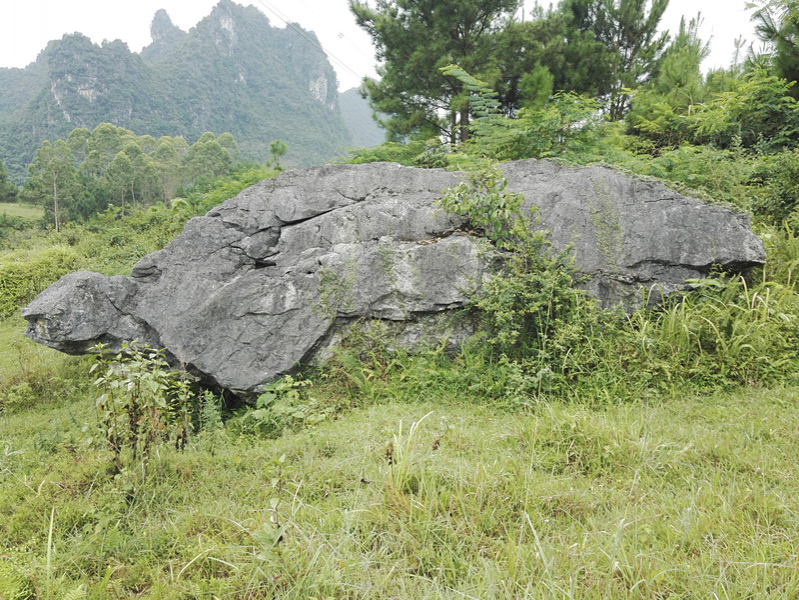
{"x": 143, "y": 401}
{"x": 483, "y": 198}
{"x": 24, "y": 274}
{"x": 531, "y": 298}
{"x": 779, "y": 198}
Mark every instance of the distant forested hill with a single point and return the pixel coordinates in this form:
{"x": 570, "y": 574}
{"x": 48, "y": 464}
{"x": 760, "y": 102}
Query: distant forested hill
{"x": 233, "y": 72}
{"x": 358, "y": 117}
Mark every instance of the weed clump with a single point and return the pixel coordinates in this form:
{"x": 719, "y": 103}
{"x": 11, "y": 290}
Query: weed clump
{"x": 143, "y": 401}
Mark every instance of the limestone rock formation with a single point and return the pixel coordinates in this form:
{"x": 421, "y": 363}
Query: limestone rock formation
{"x": 630, "y": 234}
{"x": 270, "y": 278}
{"x": 165, "y": 34}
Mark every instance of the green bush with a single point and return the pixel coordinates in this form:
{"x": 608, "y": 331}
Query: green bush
{"x": 526, "y": 304}
{"x": 284, "y": 404}
{"x": 10, "y": 223}
{"x": 483, "y": 198}
{"x": 723, "y": 175}
{"x": 204, "y": 199}
{"x": 724, "y": 334}
{"x": 414, "y": 153}
{"x": 779, "y": 197}
{"x": 24, "y": 274}
{"x": 143, "y": 401}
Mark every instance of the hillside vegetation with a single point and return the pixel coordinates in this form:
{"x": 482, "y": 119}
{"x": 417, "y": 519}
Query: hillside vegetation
{"x": 233, "y": 73}
{"x": 564, "y": 452}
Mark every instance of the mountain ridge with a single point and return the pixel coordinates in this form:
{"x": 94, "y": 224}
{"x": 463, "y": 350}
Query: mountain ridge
{"x": 232, "y": 72}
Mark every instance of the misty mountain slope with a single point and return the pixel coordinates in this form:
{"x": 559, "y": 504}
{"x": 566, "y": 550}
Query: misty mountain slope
{"x": 232, "y": 72}
{"x": 358, "y": 116}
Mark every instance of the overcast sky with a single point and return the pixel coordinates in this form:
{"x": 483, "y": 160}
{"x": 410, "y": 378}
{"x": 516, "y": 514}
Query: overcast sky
{"x": 27, "y": 25}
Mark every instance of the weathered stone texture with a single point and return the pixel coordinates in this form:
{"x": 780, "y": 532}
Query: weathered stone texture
{"x": 269, "y": 278}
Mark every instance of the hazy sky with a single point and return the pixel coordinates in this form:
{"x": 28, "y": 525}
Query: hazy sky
{"x": 27, "y": 25}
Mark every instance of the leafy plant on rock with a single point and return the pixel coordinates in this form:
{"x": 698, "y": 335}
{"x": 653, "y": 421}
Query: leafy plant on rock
{"x": 528, "y": 308}
{"x": 484, "y": 199}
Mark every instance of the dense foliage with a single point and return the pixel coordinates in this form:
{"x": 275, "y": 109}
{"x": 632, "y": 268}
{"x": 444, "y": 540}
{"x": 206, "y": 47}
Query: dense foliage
{"x": 8, "y": 191}
{"x": 594, "y": 47}
{"x": 778, "y": 24}
{"x": 416, "y": 37}
{"x": 76, "y": 178}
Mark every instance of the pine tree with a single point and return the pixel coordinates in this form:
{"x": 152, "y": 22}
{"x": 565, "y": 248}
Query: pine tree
{"x": 777, "y": 22}
{"x": 628, "y": 29}
{"x": 598, "y": 48}
{"x": 416, "y": 38}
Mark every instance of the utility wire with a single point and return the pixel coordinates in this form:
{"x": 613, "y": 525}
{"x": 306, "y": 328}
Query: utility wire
{"x": 313, "y": 41}
{"x": 341, "y": 36}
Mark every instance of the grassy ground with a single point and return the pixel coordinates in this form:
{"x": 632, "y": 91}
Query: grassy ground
{"x": 428, "y": 477}
{"x": 17, "y": 209}
{"x": 684, "y": 498}
{"x": 11, "y": 334}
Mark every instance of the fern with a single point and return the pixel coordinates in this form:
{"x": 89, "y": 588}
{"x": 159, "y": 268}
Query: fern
{"x": 210, "y": 412}
{"x": 79, "y": 592}
{"x": 483, "y": 101}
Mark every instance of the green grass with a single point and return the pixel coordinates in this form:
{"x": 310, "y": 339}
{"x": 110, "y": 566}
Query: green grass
{"x": 11, "y": 334}
{"x": 649, "y": 456}
{"x": 19, "y": 355}
{"x": 681, "y": 498}
{"x": 18, "y": 209}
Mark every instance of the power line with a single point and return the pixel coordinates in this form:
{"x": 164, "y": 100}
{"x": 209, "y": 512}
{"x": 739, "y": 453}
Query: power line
{"x": 340, "y": 35}
{"x": 313, "y": 41}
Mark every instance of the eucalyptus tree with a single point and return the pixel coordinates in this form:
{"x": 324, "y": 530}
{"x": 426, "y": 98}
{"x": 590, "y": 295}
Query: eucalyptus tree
{"x": 168, "y": 167}
{"x": 103, "y": 145}
{"x": 53, "y": 176}
{"x": 120, "y": 177}
{"x": 206, "y": 159}
{"x": 8, "y": 191}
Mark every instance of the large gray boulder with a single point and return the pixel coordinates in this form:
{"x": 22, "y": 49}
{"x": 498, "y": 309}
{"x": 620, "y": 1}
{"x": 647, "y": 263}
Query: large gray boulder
{"x": 631, "y": 235}
{"x": 271, "y": 278}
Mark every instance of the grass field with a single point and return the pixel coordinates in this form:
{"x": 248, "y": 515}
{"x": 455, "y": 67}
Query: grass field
{"x": 684, "y": 498}
{"x": 26, "y": 211}
{"x": 650, "y": 457}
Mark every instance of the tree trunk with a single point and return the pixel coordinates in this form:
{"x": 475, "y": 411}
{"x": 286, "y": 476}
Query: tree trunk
{"x": 55, "y": 203}
{"x": 464, "y": 132}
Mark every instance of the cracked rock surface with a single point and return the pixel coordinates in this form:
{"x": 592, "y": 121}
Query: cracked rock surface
{"x": 630, "y": 234}
{"x": 272, "y": 277}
